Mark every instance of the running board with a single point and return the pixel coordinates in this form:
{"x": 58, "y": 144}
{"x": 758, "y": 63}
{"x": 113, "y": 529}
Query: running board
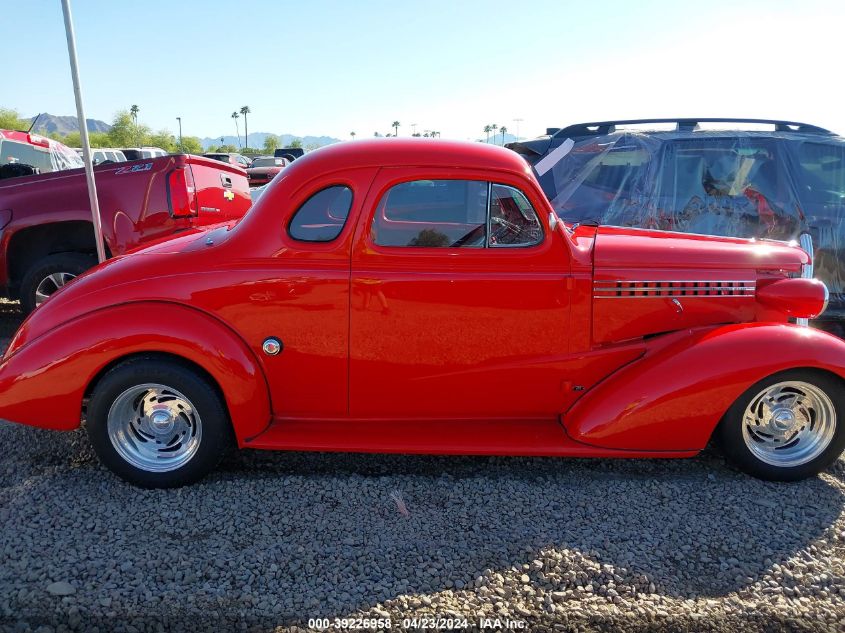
{"x": 532, "y": 437}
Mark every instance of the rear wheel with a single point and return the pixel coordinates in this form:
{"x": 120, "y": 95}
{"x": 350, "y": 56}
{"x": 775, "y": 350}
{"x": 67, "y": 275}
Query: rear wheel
{"x": 49, "y": 274}
{"x": 157, "y": 423}
{"x": 786, "y": 427}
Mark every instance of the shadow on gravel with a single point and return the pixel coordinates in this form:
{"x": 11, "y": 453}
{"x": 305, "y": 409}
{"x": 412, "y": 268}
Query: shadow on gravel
{"x": 282, "y": 536}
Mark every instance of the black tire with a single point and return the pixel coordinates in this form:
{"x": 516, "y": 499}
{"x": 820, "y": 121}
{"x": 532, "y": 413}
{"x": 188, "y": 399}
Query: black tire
{"x": 216, "y": 429}
{"x": 729, "y": 434}
{"x": 71, "y": 263}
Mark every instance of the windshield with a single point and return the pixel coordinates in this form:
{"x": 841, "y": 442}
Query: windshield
{"x": 268, "y": 162}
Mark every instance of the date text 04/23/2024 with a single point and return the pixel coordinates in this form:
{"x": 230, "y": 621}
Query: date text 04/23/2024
{"x": 421, "y": 623}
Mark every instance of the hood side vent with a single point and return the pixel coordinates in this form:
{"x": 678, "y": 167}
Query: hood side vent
{"x": 609, "y": 289}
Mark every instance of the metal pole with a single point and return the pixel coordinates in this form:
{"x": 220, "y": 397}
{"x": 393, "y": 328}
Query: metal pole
{"x": 178, "y": 118}
{"x": 83, "y": 133}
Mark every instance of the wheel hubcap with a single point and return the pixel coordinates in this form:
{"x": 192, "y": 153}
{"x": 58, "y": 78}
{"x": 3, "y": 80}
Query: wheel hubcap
{"x": 50, "y": 284}
{"x": 154, "y": 427}
{"x": 789, "y": 423}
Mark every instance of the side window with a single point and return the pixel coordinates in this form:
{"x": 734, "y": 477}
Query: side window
{"x": 455, "y": 214}
{"x": 821, "y": 178}
{"x": 433, "y": 213}
{"x": 513, "y": 221}
{"x": 322, "y": 217}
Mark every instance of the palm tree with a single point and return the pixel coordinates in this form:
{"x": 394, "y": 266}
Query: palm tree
{"x": 245, "y": 110}
{"x": 487, "y": 130}
{"x": 395, "y": 125}
{"x": 503, "y": 130}
{"x": 352, "y": 134}
{"x": 133, "y": 111}
{"x": 493, "y": 128}
{"x": 235, "y": 116}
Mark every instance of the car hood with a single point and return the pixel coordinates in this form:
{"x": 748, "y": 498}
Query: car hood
{"x": 652, "y": 282}
{"x": 263, "y": 171}
{"x": 634, "y": 248}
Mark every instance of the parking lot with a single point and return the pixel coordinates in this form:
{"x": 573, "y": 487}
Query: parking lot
{"x": 272, "y": 540}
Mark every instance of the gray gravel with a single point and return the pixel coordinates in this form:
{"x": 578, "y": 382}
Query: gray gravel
{"x": 273, "y": 539}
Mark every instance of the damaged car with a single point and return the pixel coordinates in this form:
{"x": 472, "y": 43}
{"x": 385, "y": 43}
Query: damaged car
{"x": 749, "y": 178}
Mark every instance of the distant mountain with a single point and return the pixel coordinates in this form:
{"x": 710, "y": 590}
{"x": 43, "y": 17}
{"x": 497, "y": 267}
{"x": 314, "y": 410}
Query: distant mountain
{"x": 256, "y": 140}
{"x": 49, "y": 123}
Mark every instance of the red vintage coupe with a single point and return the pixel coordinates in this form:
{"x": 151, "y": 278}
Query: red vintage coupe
{"x": 419, "y": 296}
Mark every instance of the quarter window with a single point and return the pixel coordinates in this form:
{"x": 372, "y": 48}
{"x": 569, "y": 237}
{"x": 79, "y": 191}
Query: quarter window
{"x": 455, "y": 214}
{"x": 322, "y": 217}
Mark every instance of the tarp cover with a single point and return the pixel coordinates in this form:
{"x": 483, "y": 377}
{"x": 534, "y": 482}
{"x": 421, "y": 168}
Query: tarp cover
{"x": 742, "y": 184}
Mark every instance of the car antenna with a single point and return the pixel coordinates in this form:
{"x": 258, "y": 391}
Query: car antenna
{"x": 34, "y": 121}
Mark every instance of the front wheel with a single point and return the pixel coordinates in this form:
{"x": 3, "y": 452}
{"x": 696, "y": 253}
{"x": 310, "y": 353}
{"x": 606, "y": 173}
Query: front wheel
{"x": 157, "y": 423}
{"x": 786, "y": 427}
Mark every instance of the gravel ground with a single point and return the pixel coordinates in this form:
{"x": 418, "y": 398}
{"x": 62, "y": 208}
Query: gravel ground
{"x": 273, "y": 539}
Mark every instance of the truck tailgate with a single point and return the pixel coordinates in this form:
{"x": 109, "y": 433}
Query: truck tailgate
{"x": 222, "y": 190}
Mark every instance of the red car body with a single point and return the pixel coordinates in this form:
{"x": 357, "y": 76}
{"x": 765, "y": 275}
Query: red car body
{"x": 140, "y": 202}
{"x": 591, "y": 342}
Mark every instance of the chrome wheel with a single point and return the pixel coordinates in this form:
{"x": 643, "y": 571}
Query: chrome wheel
{"x": 49, "y": 285}
{"x": 789, "y": 423}
{"x": 154, "y": 427}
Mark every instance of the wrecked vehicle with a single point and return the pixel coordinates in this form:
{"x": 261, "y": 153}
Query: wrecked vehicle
{"x": 765, "y": 179}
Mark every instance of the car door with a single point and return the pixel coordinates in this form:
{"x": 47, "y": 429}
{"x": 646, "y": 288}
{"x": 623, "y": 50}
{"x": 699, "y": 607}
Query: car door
{"x": 459, "y": 299}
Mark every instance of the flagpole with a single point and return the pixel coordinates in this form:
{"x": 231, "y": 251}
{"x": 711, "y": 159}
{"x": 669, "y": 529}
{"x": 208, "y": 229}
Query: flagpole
{"x": 83, "y": 133}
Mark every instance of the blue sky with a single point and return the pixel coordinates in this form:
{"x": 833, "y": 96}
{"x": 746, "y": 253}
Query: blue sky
{"x": 325, "y": 67}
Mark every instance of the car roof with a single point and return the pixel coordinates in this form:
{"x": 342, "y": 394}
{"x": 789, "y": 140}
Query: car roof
{"x": 396, "y": 152}
{"x": 684, "y": 125}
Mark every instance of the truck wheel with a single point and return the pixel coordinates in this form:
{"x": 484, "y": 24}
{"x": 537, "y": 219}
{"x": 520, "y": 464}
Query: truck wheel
{"x": 49, "y": 274}
{"x": 157, "y": 423}
{"x": 786, "y": 427}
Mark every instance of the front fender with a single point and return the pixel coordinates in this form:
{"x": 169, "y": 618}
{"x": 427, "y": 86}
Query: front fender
{"x": 44, "y": 382}
{"x": 674, "y": 396}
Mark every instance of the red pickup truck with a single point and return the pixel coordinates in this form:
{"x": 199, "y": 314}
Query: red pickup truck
{"x": 46, "y": 229}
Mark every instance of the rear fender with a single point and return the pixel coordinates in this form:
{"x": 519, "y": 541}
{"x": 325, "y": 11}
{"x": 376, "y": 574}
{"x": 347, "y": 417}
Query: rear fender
{"x": 44, "y": 382}
{"x": 674, "y": 396}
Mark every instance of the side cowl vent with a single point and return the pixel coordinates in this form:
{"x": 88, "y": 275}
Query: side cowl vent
{"x": 609, "y": 289}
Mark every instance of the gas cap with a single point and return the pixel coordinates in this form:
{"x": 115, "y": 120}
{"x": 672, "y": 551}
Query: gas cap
{"x": 271, "y": 346}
